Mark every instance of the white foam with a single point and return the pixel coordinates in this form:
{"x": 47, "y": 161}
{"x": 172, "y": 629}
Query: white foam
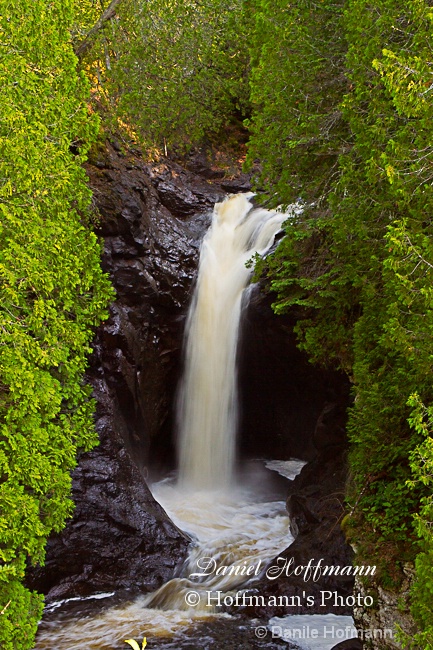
{"x": 287, "y": 468}
{"x": 59, "y": 603}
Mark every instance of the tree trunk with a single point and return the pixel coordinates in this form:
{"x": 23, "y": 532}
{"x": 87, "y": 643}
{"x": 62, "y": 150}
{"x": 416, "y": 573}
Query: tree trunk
{"x": 87, "y": 42}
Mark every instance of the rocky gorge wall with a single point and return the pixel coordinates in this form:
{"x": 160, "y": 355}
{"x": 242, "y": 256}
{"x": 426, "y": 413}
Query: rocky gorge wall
{"x": 119, "y": 535}
{"x": 152, "y": 219}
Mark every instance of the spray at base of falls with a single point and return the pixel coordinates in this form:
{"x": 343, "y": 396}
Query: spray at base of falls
{"x": 234, "y": 529}
{"x": 207, "y": 404}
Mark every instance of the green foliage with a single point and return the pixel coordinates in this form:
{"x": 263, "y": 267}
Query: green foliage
{"x": 52, "y": 292}
{"x": 297, "y": 79}
{"x": 356, "y": 265}
{"x": 21, "y": 610}
{"x": 174, "y": 72}
{"x": 421, "y": 461}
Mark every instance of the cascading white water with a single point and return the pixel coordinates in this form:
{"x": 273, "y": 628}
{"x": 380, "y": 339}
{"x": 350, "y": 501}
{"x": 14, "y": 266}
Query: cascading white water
{"x": 207, "y": 399}
{"x": 233, "y": 529}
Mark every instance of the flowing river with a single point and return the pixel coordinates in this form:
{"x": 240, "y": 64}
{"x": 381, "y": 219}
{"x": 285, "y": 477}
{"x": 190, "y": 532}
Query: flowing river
{"x": 232, "y": 531}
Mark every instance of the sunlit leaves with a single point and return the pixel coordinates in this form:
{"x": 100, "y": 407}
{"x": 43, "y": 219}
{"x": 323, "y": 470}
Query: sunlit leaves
{"x": 175, "y": 72}
{"x": 52, "y": 292}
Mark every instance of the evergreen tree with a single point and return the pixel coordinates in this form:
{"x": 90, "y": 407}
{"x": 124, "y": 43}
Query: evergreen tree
{"x": 52, "y": 293}
{"x": 172, "y": 72}
{"x": 356, "y": 264}
{"x": 297, "y": 81}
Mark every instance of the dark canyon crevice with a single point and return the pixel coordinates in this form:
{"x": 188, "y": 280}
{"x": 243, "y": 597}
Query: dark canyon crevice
{"x": 152, "y": 219}
{"x": 285, "y": 399}
{"x": 292, "y": 409}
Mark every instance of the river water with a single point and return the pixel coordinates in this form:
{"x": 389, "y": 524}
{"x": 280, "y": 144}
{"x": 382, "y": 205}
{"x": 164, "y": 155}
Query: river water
{"x": 232, "y": 530}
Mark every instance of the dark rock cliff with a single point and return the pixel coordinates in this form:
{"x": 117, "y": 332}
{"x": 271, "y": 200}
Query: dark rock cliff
{"x": 294, "y": 409}
{"x": 282, "y": 395}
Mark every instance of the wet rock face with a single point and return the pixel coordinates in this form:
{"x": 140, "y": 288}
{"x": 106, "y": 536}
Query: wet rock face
{"x": 349, "y": 644}
{"x": 152, "y": 222}
{"x": 119, "y": 536}
{"x": 178, "y": 195}
{"x": 289, "y": 408}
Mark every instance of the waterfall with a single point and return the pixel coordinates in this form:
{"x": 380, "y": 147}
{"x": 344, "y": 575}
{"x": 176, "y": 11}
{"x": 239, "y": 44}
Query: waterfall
{"x": 207, "y": 404}
{"x": 236, "y": 529}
